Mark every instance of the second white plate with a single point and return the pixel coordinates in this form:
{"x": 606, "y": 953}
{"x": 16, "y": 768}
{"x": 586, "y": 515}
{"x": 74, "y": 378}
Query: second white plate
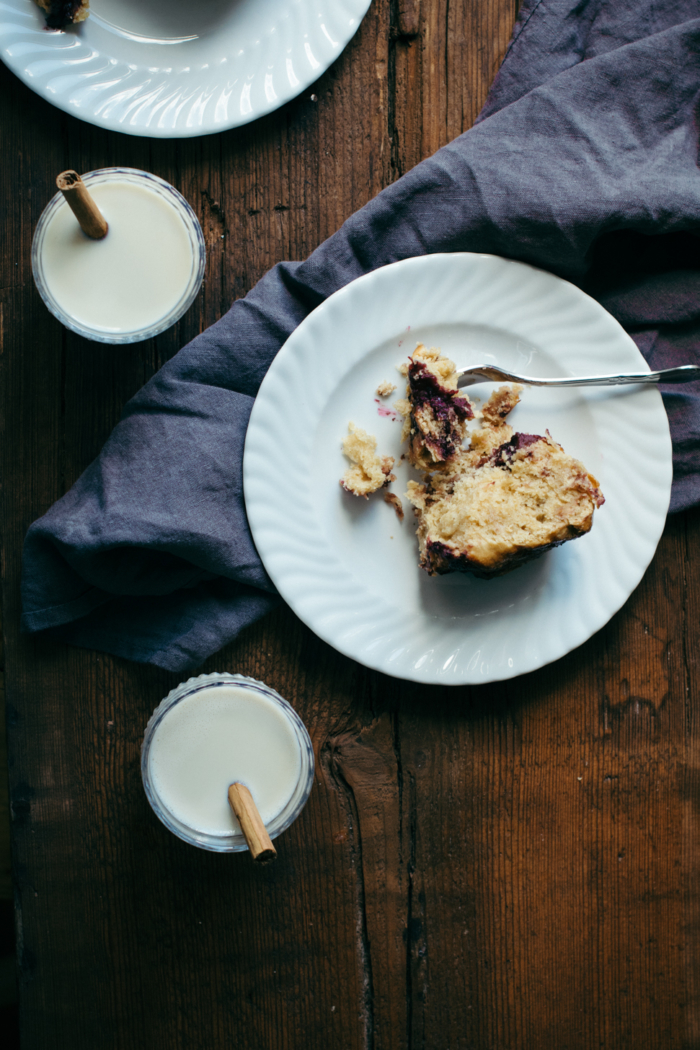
{"x": 349, "y": 568}
{"x": 176, "y": 68}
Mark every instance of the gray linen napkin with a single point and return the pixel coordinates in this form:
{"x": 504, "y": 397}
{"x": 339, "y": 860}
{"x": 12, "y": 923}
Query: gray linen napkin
{"x": 583, "y": 162}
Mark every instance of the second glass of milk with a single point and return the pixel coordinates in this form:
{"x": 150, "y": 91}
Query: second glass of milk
{"x": 135, "y": 282}
{"x": 216, "y": 730}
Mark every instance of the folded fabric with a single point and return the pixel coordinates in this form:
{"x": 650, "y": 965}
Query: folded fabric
{"x": 583, "y": 162}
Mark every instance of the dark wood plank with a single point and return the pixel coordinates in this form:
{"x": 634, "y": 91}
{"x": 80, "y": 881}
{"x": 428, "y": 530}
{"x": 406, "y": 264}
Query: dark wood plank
{"x": 444, "y": 57}
{"x": 452, "y": 882}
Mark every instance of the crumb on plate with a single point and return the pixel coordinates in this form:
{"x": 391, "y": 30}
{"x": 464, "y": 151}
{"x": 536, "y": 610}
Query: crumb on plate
{"x": 396, "y": 503}
{"x": 368, "y": 472}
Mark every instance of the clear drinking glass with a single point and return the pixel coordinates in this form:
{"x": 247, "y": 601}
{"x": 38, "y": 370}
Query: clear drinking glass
{"x": 233, "y": 842}
{"x": 194, "y": 232}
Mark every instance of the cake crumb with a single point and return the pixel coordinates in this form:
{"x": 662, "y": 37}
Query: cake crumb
{"x": 500, "y": 404}
{"x": 385, "y": 388}
{"x": 396, "y": 503}
{"x": 368, "y": 472}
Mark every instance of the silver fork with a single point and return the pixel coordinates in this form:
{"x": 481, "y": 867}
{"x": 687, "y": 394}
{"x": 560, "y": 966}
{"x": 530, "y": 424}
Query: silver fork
{"x": 491, "y": 374}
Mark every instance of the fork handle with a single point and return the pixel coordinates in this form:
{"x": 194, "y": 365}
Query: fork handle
{"x": 486, "y": 374}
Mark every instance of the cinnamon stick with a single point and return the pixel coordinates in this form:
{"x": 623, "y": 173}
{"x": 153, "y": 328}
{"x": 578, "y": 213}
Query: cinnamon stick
{"x": 92, "y": 221}
{"x": 259, "y": 843}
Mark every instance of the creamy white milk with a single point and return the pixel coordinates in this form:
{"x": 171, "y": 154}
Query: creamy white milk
{"x": 134, "y": 276}
{"x": 214, "y": 737}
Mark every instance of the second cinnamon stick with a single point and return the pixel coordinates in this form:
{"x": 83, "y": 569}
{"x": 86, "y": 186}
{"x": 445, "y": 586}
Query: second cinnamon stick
{"x": 92, "y": 221}
{"x": 255, "y": 832}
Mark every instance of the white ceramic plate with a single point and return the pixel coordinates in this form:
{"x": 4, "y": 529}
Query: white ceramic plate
{"x": 175, "y": 68}
{"x": 349, "y": 568}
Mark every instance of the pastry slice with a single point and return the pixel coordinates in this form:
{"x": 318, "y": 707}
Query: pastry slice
{"x": 503, "y": 501}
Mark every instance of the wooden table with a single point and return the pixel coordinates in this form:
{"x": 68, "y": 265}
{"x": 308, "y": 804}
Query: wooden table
{"x": 511, "y": 866}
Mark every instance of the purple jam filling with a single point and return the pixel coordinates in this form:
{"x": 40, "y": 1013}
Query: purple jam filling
{"x": 439, "y": 559}
{"x": 446, "y": 406}
{"x": 503, "y": 455}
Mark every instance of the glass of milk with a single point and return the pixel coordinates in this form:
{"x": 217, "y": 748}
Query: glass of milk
{"x": 215, "y": 730}
{"x": 135, "y": 282}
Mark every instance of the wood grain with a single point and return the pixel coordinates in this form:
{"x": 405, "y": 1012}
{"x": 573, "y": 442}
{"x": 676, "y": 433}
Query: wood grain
{"x": 512, "y": 866}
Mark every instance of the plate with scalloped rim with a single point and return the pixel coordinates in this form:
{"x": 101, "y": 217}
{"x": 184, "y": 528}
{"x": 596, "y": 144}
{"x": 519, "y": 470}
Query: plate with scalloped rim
{"x": 349, "y": 568}
{"x": 174, "y": 68}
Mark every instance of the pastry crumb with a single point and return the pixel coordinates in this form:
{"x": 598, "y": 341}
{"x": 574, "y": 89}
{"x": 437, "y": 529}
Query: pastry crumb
{"x": 385, "y": 388}
{"x": 369, "y": 472}
{"x": 500, "y": 404}
{"x": 396, "y": 503}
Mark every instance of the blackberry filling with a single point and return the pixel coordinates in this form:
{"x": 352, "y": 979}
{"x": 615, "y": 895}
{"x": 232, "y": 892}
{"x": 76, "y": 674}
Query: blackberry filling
{"x": 435, "y": 413}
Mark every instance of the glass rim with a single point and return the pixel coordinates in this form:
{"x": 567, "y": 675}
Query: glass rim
{"x": 183, "y": 304}
{"x": 235, "y": 841}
